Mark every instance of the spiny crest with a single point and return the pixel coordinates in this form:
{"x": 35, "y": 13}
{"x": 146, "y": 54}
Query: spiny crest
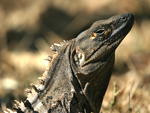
{"x": 28, "y": 90}
{"x": 56, "y": 46}
{"x": 55, "y": 49}
{"x": 36, "y": 89}
{"x": 9, "y": 111}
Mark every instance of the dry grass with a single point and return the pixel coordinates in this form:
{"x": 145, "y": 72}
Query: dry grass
{"x": 28, "y": 29}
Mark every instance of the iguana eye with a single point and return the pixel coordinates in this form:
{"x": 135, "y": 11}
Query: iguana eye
{"x": 100, "y": 31}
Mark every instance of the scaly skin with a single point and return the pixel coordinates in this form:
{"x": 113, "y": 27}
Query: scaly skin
{"x": 77, "y": 77}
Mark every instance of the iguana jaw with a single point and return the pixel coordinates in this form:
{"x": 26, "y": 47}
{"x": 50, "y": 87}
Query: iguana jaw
{"x": 116, "y": 28}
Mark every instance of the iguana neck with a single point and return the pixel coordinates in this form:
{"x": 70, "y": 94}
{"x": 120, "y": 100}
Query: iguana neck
{"x": 61, "y": 88}
{"x": 94, "y": 84}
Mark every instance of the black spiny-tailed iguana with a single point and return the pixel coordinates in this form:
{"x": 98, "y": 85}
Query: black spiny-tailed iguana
{"x": 78, "y": 74}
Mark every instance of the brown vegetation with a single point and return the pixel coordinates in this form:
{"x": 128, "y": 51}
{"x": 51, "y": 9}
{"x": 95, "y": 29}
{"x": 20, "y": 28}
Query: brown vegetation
{"x": 28, "y": 28}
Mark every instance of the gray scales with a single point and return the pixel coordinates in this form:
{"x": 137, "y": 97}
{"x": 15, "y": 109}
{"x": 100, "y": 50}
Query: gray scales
{"x": 78, "y": 74}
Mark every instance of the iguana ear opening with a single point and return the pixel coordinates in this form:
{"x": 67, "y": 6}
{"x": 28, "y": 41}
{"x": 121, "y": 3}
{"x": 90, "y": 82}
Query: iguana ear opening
{"x": 79, "y": 57}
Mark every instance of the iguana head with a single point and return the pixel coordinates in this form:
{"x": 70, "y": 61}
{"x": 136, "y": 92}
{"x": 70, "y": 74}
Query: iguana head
{"x": 102, "y": 38}
{"x": 94, "y": 55}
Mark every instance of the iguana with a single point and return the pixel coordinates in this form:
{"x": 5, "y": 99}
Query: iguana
{"x": 78, "y": 74}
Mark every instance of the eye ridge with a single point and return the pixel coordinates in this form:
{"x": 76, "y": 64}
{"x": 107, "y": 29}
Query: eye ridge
{"x": 101, "y": 31}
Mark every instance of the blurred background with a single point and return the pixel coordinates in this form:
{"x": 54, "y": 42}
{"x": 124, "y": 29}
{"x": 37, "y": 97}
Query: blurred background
{"x": 29, "y": 27}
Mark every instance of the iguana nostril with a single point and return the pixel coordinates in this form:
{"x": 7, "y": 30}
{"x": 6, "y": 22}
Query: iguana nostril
{"x": 124, "y": 19}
